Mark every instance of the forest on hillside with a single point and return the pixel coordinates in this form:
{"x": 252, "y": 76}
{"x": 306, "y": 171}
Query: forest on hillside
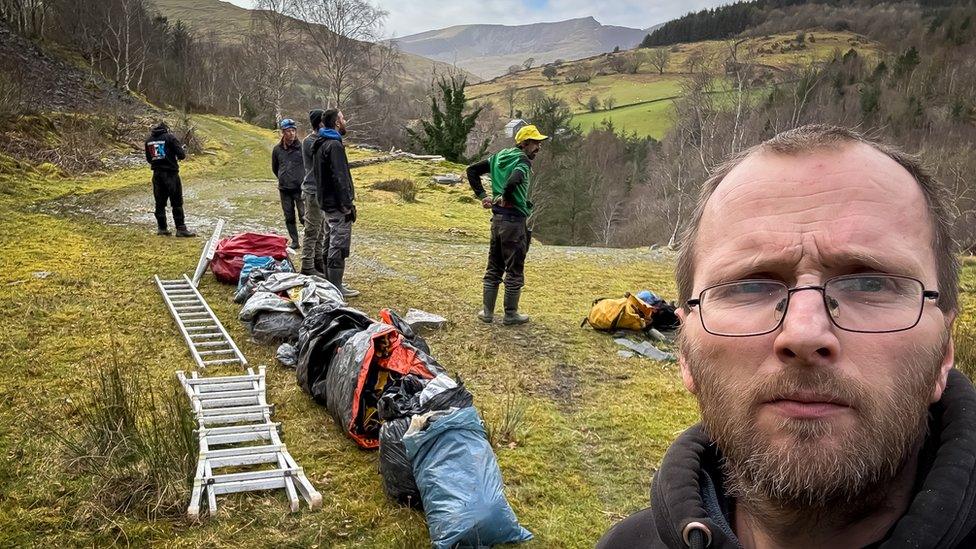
{"x": 606, "y": 189}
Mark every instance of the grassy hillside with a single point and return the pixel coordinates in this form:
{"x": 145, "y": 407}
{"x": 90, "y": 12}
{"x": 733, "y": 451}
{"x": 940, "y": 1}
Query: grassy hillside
{"x": 643, "y": 100}
{"x": 230, "y": 22}
{"x": 80, "y": 254}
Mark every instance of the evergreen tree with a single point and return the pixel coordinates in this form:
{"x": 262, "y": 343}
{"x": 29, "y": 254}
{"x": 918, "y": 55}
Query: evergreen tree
{"x": 446, "y": 133}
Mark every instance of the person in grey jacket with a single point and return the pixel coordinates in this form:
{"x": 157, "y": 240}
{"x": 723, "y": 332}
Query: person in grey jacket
{"x": 286, "y": 163}
{"x": 316, "y": 231}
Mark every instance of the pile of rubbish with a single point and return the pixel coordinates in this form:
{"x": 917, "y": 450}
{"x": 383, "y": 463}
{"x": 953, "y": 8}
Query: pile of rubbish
{"x": 383, "y": 388}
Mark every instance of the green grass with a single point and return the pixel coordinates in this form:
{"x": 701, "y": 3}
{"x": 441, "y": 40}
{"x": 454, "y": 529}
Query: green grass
{"x": 649, "y": 119}
{"x": 593, "y": 426}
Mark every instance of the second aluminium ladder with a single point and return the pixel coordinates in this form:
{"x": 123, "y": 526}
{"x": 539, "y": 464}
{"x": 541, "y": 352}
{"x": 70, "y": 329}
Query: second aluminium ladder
{"x": 206, "y": 337}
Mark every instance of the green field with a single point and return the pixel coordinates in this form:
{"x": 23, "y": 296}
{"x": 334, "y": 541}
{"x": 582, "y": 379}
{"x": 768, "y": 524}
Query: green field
{"x": 775, "y": 53}
{"x": 650, "y": 119}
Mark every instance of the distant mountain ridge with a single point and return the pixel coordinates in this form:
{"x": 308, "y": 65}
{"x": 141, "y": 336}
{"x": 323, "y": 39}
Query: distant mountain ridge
{"x": 488, "y": 50}
{"x": 230, "y": 22}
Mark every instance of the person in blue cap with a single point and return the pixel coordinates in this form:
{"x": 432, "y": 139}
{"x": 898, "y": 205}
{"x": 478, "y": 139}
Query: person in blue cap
{"x": 286, "y": 163}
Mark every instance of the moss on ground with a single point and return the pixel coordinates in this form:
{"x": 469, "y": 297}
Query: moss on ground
{"x": 595, "y": 426}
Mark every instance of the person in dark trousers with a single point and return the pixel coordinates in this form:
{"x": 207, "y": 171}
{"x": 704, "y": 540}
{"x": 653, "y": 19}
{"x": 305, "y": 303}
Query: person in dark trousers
{"x": 287, "y": 165}
{"x": 163, "y": 153}
{"x": 510, "y": 170}
{"x": 313, "y": 255}
{"x": 336, "y": 196}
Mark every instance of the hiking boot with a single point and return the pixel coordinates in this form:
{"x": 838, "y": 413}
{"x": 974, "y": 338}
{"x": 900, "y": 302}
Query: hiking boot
{"x": 489, "y": 296}
{"x": 163, "y": 232}
{"x": 185, "y": 233}
{"x": 512, "y": 316}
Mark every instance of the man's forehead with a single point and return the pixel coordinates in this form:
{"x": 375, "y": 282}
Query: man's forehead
{"x": 848, "y": 195}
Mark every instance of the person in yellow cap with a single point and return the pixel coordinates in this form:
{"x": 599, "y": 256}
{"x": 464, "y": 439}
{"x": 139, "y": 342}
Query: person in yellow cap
{"x": 510, "y": 170}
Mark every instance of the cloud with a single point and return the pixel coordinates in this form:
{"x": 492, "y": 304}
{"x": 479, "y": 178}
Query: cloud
{"x": 408, "y": 17}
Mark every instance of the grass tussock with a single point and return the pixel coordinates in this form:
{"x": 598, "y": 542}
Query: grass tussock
{"x": 505, "y": 427}
{"x": 406, "y": 189}
{"x": 134, "y": 445}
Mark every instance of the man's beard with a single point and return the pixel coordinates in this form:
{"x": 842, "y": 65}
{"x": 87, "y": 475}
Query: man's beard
{"x": 816, "y": 473}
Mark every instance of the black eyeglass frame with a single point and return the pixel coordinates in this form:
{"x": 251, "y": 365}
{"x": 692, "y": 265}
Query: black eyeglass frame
{"x": 931, "y": 295}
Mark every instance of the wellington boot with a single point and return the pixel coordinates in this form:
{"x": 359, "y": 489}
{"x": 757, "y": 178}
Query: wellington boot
{"x": 512, "y": 316}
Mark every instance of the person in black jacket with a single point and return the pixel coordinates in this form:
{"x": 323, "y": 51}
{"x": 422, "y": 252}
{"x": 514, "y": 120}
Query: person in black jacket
{"x": 336, "y": 195}
{"x": 819, "y": 286}
{"x": 163, "y": 153}
{"x": 286, "y": 163}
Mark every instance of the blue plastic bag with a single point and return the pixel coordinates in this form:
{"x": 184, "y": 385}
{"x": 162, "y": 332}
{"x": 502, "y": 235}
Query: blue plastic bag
{"x": 460, "y": 483}
{"x": 253, "y": 262}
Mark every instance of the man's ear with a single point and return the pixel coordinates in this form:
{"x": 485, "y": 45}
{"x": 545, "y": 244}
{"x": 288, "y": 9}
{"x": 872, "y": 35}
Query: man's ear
{"x": 686, "y": 376}
{"x": 948, "y": 361}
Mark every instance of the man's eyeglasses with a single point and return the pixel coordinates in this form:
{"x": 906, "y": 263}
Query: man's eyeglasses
{"x": 868, "y": 303}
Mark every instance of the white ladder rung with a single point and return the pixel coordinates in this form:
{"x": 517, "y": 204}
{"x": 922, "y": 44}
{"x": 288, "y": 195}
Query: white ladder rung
{"x": 249, "y": 486}
{"x": 249, "y": 459}
{"x": 254, "y": 475}
{"x": 231, "y": 394}
{"x": 229, "y": 402}
{"x": 232, "y": 418}
{"x": 236, "y": 438}
{"x": 222, "y": 379}
{"x": 236, "y": 410}
{"x": 207, "y": 336}
{"x": 218, "y": 387}
{"x": 238, "y": 429}
{"x": 243, "y": 451}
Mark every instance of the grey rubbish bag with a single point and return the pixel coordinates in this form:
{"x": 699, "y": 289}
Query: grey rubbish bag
{"x": 459, "y": 481}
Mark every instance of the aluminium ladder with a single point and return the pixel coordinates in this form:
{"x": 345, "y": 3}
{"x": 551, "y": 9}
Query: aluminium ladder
{"x": 209, "y": 342}
{"x": 231, "y": 412}
{"x": 207, "y": 255}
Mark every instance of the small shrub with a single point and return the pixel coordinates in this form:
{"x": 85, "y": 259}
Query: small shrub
{"x": 504, "y": 428}
{"x": 134, "y": 446}
{"x": 406, "y": 189}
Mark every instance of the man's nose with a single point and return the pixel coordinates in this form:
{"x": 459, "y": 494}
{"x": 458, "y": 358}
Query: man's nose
{"x": 807, "y": 336}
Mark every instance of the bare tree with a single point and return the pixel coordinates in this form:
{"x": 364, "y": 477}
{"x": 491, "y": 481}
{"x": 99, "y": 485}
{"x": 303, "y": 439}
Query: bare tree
{"x": 509, "y": 93}
{"x": 344, "y": 32}
{"x": 658, "y": 58}
{"x": 28, "y": 17}
{"x": 271, "y": 28}
{"x": 527, "y": 64}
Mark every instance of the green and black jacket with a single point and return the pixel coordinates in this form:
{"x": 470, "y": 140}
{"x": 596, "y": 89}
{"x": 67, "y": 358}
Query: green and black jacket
{"x": 511, "y": 172}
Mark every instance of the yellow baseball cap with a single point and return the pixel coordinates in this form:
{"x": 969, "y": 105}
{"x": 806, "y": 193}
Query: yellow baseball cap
{"x": 529, "y": 132}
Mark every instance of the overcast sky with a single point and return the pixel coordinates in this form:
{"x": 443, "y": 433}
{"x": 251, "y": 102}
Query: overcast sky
{"x": 412, "y": 16}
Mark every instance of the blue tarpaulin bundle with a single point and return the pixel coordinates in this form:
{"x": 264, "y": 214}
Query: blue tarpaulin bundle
{"x": 459, "y": 481}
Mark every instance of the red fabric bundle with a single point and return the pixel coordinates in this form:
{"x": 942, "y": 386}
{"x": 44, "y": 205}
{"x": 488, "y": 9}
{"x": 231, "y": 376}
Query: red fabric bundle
{"x": 229, "y": 256}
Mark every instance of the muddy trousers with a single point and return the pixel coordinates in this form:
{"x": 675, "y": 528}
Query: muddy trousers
{"x": 338, "y": 243}
{"x": 290, "y": 202}
{"x": 316, "y": 231}
{"x": 168, "y": 187}
{"x": 506, "y": 253}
